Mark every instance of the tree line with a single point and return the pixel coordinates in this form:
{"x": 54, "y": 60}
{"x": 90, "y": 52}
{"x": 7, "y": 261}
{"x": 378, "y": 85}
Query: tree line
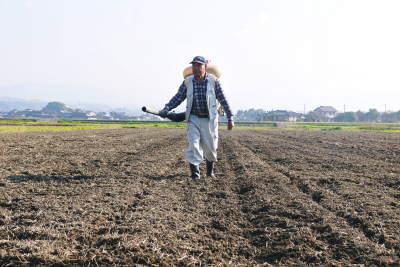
{"x": 372, "y": 115}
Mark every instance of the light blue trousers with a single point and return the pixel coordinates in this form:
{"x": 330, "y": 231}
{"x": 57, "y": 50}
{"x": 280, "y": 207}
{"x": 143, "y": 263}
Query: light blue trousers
{"x": 202, "y": 139}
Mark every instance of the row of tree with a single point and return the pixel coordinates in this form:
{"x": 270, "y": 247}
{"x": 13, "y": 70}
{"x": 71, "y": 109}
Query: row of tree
{"x": 372, "y": 115}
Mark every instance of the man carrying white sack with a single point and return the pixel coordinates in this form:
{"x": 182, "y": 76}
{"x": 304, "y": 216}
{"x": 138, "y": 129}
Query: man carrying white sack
{"x": 202, "y": 91}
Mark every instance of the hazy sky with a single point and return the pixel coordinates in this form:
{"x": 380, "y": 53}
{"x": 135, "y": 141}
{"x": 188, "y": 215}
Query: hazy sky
{"x": 273, "y": 54}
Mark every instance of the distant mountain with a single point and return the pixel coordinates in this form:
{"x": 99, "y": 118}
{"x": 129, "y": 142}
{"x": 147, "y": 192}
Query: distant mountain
{"x": 10, "y": 103}
{"x": 58, "y": 110}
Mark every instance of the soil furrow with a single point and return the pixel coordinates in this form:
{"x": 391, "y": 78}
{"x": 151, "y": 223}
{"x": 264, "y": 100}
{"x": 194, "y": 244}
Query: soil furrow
{"x": 323, "y": 224}
{"x": 337, "y": 204}
{"x": 304, "y": 158}
{"x": 359, "y": 144}
{"x": 124, "y": 197}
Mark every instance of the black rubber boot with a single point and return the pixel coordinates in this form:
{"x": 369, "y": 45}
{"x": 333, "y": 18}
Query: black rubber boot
{"x": 210, "y": 169}
{"x": 195, "y": 170}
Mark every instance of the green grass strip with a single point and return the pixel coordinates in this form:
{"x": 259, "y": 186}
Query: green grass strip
{"x": 17, "y": 129}
{"x": 24, "y": 122}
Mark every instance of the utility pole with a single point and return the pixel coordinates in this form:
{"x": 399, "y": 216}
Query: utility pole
{"x": 304, "y": 109}
{"x": 344, "y": 108}
{"x": 385, "y": 108}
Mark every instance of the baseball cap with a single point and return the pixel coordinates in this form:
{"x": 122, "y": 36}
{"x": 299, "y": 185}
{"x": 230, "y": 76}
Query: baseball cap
{"x": 199, "y": 59}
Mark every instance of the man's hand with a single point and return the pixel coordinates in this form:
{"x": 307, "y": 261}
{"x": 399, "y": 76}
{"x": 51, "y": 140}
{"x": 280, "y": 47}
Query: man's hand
{"x": 163, "y": 113}
{"x": 230, "y": 124}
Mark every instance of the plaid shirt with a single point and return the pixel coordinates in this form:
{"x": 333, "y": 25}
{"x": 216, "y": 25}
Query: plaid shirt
{"x": 199, "y": 106}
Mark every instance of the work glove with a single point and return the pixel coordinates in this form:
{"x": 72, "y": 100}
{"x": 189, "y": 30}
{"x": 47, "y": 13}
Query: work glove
{"x": 163, "y": 113}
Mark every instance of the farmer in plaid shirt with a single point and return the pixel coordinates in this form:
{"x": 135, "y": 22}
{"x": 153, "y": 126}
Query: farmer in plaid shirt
{"x": 203, "y": 92}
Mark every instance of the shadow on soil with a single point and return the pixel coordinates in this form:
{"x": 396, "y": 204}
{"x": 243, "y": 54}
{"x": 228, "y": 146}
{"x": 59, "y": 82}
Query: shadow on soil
{"x": 164, "y": 177}
{"x": 45, "y": 178}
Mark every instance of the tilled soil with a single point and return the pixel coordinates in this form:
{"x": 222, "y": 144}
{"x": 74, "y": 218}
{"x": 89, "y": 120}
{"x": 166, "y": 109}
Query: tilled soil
{"x": 124, "y": 197}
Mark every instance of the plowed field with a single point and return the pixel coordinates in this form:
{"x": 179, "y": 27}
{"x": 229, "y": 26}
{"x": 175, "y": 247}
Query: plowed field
{"x": 124, "y": 197}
